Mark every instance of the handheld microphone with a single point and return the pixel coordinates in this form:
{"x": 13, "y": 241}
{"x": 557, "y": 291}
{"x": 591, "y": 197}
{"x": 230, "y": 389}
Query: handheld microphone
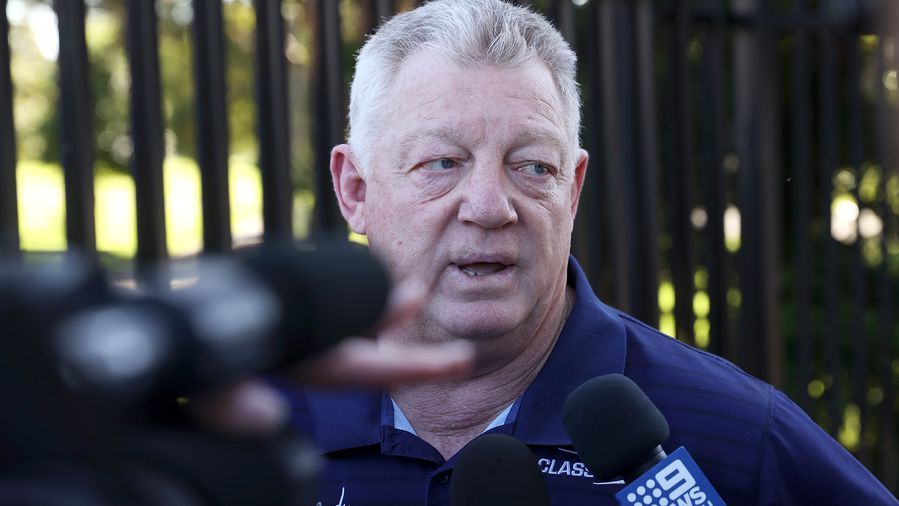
{"x": 619, "y": 432}
{"x": 497, "y": 470}
{"x": 253, "y": 313}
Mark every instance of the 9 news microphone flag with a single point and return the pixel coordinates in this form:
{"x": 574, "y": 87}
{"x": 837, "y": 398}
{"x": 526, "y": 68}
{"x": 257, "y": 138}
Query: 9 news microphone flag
{"x": 675, "y": 481}
{"x": 619, "y": 432}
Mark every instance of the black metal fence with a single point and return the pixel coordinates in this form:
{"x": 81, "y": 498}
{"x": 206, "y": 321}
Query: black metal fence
{"x": 743, "y": 191}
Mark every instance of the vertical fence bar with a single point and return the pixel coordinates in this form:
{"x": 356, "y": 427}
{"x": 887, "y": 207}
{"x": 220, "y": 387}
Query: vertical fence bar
{"x": 146, "y": 134}
{"x": 622, "y": 118}
{"x": 76, "y": 133}
{"x": 680, "y": 177}
{"x": 829, "y": 140}
{"x": 712, "y": 165}
{"x": 799, "y": 184}
{"x": 612, "y": 183}
{"x": 212, "y": 123}
{"x": 856, "y": 152}
{"x": 646, "y": 201}
{"x": 887, "y": 288}
{"x": 589, "y": 236}
{"x": 376, "y": 12}
{"x": 770, "y": 200}
{"x": 327, "y": 107}
{"x": 562, "y": 14}
{"x": 885, "y": 130}
{"x": 9, "y": 216}
{"x": 273, "y": 121}
{"x": 745, "y": 133}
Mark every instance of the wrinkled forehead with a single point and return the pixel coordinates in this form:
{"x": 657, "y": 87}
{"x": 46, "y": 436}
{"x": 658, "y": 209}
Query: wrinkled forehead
{"x": 427, "y": 69}
{"x": 433, "y": 93}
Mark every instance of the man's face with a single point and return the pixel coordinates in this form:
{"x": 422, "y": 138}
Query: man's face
{"x": 472, "y": 191}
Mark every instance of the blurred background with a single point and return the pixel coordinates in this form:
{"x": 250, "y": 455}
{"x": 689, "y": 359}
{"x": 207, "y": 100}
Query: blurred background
{"x": 743, "y": 191}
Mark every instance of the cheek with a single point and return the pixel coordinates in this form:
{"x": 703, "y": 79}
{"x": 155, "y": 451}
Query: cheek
{"x": 551, "y": 194}
{"x": 553, "y": 209}
{"x": 427, "y": 186}
{"x": 400, "y": 233}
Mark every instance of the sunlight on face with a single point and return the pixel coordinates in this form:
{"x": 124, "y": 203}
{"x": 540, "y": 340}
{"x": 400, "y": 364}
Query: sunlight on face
{"x": 473, "y": 193}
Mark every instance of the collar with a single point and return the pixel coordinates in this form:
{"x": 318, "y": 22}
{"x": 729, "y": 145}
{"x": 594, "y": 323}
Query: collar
{"x": 592, "y": 343}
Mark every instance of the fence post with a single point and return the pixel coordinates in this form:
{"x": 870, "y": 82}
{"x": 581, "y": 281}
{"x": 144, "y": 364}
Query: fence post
{"x": 755, "y": 139}
{"x": 329, "y": 114}
{"x": 147, "y": 135}
{"x": 613, "y": 168}
{"x": 680, "y": 175}
{"x": 886, "y": 154}
{"x": 715, "y": 128}
{"x": 76, "y": 133}
{"x": 273, "y": 121}
{"x": 212, "y": 123}
{"x": 799, "y": 184}
{"x": 645, "y": 200}
{"x": 9, "y": 216}
{"x": 376, "y": 12}
{"x": 590, "y": 231}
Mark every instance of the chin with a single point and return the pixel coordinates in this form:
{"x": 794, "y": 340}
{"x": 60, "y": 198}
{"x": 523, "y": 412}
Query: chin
{"x": 483, "y": 322}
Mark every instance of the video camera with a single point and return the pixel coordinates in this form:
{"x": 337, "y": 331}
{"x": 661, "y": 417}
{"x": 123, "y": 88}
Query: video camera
{"x": 93, "y": 379}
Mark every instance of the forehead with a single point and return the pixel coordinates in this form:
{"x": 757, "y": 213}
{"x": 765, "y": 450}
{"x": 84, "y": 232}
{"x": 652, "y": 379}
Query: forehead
{"x": 466, "y": 102}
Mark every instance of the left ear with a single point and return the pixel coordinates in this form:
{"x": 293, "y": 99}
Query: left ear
{"x": 580, "y": 170}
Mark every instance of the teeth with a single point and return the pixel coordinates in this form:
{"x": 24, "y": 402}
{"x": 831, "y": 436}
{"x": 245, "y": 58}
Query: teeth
{"x": 481, "y": 269}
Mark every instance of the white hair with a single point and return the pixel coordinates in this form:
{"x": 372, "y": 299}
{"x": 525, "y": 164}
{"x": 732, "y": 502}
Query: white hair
{"x": 490, "y": 32}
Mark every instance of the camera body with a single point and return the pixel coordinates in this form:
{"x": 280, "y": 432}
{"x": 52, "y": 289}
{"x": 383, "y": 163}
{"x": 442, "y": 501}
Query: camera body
{"x": 94, "y": 379}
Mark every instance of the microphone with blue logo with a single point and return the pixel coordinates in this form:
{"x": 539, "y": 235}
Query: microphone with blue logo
{"x": 618, "y": 432}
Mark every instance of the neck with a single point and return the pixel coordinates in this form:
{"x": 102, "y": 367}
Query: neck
{"x": 449, "y": 415}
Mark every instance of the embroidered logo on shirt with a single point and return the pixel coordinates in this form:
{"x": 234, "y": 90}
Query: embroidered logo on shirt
{"x": 570, "y": 467}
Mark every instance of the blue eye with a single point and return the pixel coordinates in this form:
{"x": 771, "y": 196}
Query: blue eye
{"x": 536, "y": 169}
{"x": 441, "y": 164}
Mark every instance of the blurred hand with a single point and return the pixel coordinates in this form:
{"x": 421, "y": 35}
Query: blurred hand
{"x": 252, "y": 407}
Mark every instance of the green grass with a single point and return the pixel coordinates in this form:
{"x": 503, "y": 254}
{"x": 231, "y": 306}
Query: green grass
{"x": 41, "y": 197}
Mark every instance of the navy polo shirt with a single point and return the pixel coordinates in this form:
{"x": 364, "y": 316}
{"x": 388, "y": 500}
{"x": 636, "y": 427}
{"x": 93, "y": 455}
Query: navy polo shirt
{"x": 754, "y": 444}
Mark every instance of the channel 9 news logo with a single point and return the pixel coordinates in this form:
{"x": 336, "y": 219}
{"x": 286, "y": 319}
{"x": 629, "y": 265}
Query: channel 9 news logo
{"x": 676, "y": 481}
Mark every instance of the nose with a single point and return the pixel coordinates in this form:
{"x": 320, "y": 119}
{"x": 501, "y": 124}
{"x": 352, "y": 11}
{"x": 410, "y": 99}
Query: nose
{"x": 487, "y": 198}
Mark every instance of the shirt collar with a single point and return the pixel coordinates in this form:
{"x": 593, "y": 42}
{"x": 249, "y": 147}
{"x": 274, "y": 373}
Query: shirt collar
{"x": 344, "y": 420}
{"x": 592, "y": 343}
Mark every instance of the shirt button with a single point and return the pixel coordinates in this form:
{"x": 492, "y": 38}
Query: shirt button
{"x": 443, "y": 478}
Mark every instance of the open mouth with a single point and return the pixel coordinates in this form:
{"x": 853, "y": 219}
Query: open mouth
{"x": 482, "y": 268}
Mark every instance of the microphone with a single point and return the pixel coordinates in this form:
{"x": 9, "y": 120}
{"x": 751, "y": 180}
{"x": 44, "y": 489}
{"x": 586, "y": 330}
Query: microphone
{"x": 497, "y": 470}
{"x": 271, "y": 307}
{"x": 619, "y": 432}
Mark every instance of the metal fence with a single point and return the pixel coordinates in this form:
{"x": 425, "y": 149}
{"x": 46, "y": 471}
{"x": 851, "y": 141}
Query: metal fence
{"x": 743, "y": 190}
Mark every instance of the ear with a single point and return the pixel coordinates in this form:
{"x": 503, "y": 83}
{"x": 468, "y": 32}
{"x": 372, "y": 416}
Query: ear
{"x": 580, "y": 170}
{"x": 349, "y": 185}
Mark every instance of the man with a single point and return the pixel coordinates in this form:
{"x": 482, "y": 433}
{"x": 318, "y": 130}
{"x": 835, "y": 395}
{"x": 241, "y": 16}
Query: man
{"x": 464, "y": 171}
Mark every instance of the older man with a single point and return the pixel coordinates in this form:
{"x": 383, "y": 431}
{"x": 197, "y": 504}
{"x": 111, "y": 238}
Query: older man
{"x": 463, "y": 169}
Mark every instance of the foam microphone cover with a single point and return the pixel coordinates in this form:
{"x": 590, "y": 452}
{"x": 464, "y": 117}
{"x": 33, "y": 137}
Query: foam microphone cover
{"x": 327, "y": 293}
{"x": 613, "y": 425}
{"x": 497, "y": 470}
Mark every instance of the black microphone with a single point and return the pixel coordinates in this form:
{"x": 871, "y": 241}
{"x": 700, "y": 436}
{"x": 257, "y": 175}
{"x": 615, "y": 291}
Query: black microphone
{"x": 616, "y": 429}
{"x": 271, "y": 307}
{"x": 618, "y": 432}
{"x": 497, "y": 470}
